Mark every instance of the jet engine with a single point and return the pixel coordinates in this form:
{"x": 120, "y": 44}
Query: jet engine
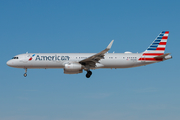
{"x": 73, "y": 68}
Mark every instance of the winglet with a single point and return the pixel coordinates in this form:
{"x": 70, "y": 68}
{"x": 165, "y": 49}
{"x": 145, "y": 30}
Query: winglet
{"x": 110, "y": 44}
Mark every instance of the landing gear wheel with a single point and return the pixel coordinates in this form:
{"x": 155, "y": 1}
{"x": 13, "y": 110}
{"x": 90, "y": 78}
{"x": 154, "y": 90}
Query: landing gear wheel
{"x": 89, "y": 73}
{"x": 25, "y": 74}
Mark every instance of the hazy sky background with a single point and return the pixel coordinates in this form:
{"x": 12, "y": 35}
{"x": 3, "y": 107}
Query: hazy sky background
{"x": 143, "y": 93}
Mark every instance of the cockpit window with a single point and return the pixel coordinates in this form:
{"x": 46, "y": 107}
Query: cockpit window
{"x": 15, "y": 58}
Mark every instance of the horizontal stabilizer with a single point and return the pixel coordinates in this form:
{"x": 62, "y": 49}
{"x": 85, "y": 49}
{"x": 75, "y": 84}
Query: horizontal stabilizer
{"x": 162, "y": 56}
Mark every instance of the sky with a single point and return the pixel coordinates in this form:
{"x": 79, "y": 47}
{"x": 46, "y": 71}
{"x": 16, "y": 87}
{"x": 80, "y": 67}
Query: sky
{"x": 87, "y": 26}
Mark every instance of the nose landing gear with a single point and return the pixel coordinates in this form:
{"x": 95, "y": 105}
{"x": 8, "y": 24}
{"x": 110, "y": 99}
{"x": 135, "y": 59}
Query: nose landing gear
{"x": 89, "y": 73}
{"x": 25, "y": 74}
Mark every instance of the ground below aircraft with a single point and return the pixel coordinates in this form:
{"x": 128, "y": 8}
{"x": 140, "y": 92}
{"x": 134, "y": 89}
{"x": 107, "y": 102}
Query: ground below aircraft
{"x": 74, "y": 63}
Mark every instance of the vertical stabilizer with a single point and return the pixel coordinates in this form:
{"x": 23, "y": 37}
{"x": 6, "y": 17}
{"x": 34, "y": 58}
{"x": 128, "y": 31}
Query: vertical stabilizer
{"x": 157, "y": 48}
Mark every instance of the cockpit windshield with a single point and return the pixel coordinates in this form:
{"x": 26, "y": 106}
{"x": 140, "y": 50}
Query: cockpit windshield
{"x": 15, "y": 58}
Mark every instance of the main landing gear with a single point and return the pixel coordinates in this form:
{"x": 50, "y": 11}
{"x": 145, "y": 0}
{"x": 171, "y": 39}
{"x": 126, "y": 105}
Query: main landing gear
{"x": 25, "y": 74}
{"x": 89, "y": 73}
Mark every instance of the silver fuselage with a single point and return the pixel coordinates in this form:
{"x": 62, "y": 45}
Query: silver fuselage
{"x": 58, "y": 60}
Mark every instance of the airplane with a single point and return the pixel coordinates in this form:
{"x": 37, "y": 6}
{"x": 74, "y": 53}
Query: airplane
{"x": 74, "y": 63}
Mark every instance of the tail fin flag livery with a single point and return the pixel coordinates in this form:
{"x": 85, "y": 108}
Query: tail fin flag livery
{"x": 75, "y": 63}
{"x": 157, "y": 48}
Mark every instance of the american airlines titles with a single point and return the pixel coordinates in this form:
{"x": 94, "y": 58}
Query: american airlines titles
{"x": 52, "y": 58}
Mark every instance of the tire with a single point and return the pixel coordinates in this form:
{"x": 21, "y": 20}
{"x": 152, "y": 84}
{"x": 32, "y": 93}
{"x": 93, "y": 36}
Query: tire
{"x": 25, "y": 74}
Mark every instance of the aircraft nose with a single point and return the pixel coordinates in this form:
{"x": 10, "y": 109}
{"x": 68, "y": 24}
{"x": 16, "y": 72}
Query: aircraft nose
{"x": 9, "y": 63}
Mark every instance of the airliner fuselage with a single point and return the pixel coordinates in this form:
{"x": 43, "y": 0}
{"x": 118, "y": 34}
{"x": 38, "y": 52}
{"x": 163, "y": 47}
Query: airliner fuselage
{"x": 74, "y": 63}
{"x": 58, "y": 60}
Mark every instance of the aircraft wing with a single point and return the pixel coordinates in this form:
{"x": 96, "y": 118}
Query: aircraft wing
{"x": 92, "y": 60}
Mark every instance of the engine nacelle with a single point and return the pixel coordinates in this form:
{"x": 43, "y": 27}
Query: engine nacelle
{"x": 73, "y": 68}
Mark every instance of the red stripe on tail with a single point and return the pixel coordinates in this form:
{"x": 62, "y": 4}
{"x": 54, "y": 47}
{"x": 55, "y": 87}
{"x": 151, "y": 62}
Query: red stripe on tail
{"x": 153, "y": 54}
{"x": 159, "y": 48}
{"x": 165, "y": 37}
{"x": 162, "y": 43}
